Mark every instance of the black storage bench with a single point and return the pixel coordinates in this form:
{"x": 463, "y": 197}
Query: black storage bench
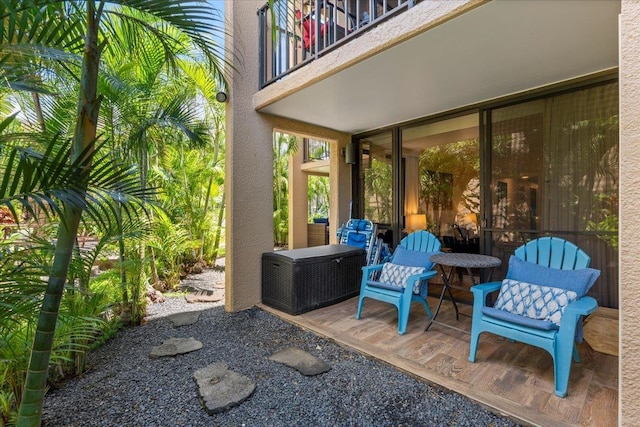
{"x": 300, "y": 280}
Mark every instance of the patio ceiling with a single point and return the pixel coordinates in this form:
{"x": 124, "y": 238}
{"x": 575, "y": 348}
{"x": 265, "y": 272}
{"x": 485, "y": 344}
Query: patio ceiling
{"x": 497, "y": 49}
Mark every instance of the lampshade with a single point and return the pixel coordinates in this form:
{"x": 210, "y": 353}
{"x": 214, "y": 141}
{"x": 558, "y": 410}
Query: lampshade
{"x": 472, "y": 217}
{"x": 416, "y": 222}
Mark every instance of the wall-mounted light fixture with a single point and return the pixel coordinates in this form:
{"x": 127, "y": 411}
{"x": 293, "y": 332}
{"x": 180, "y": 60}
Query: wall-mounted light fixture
{"x": 221, "y": 97}
{"x": 350, "y": 154}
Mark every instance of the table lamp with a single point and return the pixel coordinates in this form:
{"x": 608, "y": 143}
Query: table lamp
{"x": 416, "y": 222}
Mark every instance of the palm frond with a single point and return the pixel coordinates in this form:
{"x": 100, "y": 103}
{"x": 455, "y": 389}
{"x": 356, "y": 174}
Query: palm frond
{"x": 33, "y": 38}
{"x": 197, "y": 19}
{"x": 35, "y": 180}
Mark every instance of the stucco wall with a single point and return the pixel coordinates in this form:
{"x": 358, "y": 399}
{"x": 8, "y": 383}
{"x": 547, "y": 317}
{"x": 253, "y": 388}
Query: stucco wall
{"x": 298, "y": 206}
{"x": 629, "y": 395}
{"x": 249, "y": 163}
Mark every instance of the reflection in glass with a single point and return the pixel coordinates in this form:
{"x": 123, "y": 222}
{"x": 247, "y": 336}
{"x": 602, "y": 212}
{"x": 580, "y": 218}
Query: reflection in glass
{"x": 442, "y": 179}
{"x": 377, "y": 177}
{"x": 554, "y": 170}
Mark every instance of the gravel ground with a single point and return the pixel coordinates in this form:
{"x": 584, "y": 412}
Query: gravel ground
{"x": 124, "y": 387}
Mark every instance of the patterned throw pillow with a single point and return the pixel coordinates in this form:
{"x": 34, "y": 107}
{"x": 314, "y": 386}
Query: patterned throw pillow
{"x": 534, "y": 301}
{"x": 396, "y": 275}
{"x": 579, "y": 281}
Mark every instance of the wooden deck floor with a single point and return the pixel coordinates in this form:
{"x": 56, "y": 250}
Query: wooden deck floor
{"x": 512, "y": 379}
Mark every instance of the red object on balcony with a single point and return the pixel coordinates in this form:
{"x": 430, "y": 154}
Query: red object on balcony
{"x": 309, "y": 29}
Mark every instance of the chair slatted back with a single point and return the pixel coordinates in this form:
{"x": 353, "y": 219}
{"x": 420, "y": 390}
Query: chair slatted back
{"x": 554, "y": 252}
{"x": 422, "y": 241}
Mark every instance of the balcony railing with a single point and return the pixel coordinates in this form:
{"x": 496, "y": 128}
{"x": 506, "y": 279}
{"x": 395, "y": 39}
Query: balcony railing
{"x": 295, "y": 32}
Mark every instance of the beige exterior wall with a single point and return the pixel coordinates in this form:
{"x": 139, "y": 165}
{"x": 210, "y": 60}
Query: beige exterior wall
{"x": 298, "y": 206}
{"x": 629, "y": 377}
{"x": 249, "y": 164}
{"x": 340, "y": 186}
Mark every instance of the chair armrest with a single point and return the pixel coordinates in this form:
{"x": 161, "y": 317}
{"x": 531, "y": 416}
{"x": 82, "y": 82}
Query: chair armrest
{"x": 369, "y": 268}
{"x": 480, "y": 293}
{"x": 582, "y": 307}
{"x": 483, "y": 289}
{"x": 416, "y": 278}
{"x": 426, "y": 275}
{"x": 411, "y": 280}
{"x": 571, "y": 324}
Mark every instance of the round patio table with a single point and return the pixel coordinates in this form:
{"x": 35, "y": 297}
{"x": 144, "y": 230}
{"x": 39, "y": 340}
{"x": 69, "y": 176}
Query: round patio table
{"x": 454, "y": 260}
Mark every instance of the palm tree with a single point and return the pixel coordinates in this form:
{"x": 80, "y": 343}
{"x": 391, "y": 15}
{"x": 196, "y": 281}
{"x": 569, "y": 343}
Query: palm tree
{"x": 283, "y": 147}
{"x": 146, "y": 108}
{"x": 37, "y": 179}
{"x": 318, "y": 195}
{"x": 46, "y": 33}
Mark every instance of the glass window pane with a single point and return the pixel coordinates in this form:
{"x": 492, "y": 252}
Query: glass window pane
{"x": 554, "y": 171}
{"x": 376, "y": 178}
{"x": 516, "y": 166}
{"x": 442, "y": 179}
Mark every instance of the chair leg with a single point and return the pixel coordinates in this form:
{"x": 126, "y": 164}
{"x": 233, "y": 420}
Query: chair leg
{"x": 473, "y": 346}
{"x": 404, "y": 308}
{"x": 360, "y": 304}
{"x": 422, "y": 299}
{"x": 561, "y": 377}
{"x": 426, "y": 307}
{"x": 403, "y": 321}
{"x": 562, "y": 368}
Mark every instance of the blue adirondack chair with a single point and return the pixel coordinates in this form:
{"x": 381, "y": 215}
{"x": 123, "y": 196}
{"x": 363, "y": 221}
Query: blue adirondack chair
{"x": 402, "y": 280}
{"x": 554, "y": 268}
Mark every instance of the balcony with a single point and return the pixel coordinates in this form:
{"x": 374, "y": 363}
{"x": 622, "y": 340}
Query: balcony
{"x": 295, "y": 32}
{"x": 438, "y": 56}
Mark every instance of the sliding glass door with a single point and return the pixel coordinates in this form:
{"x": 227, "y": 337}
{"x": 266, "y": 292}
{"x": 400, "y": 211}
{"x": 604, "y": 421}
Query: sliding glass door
{"x": 554, "y": 171}
{"x": 441, "y": 177}
{"x": 491, "y": 180}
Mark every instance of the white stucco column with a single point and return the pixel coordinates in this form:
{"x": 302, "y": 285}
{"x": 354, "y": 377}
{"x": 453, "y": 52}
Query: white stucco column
{"x": 248, "y": 163}
{"x": 629, "y": 373}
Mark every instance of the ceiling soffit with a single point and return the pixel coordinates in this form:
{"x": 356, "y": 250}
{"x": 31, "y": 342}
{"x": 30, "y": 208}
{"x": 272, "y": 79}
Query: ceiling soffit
{"x": 497, "y": 49}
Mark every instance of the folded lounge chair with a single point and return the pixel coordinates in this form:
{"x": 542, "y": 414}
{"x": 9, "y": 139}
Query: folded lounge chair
{"x": 362, "y": 233}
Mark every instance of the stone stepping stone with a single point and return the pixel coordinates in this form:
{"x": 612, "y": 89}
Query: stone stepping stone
{"x": 192, "y": 289}
{"x": 220, "y": 389}
{"x": 175, "y": 346}
{"x": 205, "y": 296}
{"x": 300, "y": 360}
{"x": 185, "y": 318}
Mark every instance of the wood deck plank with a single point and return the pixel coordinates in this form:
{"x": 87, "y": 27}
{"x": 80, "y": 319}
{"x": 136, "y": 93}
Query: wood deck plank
{"x": 512, "y": 379}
